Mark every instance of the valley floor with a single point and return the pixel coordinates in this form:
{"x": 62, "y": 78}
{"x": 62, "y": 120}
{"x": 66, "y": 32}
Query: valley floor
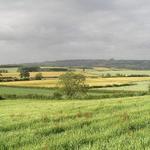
{"x": 110, "y": 124}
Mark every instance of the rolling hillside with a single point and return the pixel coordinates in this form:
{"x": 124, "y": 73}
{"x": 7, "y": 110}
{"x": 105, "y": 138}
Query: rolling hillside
{"x": 128, "y": 64}
{"x": 108, "y": 124}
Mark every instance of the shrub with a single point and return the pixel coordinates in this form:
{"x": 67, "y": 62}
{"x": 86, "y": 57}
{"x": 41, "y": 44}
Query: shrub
{"x": 3, "y": 71}
{"x": 108, "y": 75}
{"x": 24, "y": 74}
{"x": 38, "y": 76}
{"x": 57, "y": 95}
{"x": 1, "y": 98}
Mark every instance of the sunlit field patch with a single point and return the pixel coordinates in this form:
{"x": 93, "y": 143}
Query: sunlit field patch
{"x": 102, "y": 69}
{"x": 137, "y": 86}
{"x": 91, "y": 81}
{"x": 48, "y": 74}
{"x": 33, "y": 83}
{"x": 117, "y": 81}
{"x": 11, "y": 74}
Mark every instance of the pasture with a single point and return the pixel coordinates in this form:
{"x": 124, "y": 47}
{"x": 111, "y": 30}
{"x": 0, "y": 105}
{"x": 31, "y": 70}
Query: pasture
{"x": 137, "y": 86}
{"x": 24, "y": 91}
{"x": 93, "y": 75}
{"x": 49, "y": 93}
{"x": 10, "y": 70}
{"x": 122, "y": 123}
{"x": 114, "y": 114}
{"x": 114, "y": 71}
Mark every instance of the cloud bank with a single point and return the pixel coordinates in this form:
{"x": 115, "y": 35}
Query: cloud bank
{"x": 39, "y": 30}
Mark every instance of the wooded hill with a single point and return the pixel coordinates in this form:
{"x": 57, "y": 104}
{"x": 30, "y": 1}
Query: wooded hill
{"x": 128, "y": 64}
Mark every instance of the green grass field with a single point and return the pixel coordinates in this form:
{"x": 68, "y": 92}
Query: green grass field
{"x": 114, "y": 71}
{"x": 44, "y": 93}
{"x": 24, "y": 91}
{"x": 10, "y": 70}
{"x": 139, "y": 86}
{"x": 116, "y": 124}
{"x": 104, "y": 119}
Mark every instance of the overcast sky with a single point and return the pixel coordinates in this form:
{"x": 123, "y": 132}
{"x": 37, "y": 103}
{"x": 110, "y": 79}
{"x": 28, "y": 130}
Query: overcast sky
{"x": 40, "y": 30}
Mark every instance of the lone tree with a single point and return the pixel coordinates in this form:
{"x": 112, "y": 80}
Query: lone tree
{"x": 24, "y": 74}
{"x": 73, "y": 84}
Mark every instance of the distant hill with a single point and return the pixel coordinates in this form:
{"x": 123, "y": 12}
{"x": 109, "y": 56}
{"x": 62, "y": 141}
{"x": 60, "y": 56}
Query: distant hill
{"x": 127, "y": 64}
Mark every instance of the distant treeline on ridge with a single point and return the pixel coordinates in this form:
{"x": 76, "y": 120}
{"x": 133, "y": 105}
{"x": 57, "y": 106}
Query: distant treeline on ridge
{"x": 128, "y": 64}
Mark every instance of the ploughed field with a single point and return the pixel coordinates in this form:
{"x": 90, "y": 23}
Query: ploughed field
{"x": 120, "y": 123}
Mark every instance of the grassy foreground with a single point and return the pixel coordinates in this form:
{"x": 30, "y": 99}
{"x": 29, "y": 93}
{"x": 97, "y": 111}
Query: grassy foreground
{"x": 71, "y": 125}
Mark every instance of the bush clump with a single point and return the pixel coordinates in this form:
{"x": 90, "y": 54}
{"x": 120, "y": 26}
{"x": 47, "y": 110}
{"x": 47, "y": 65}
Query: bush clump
{"x": 38, "y": 76}
{"x": 1, "y": 97}
{"x": 57, "y": 95}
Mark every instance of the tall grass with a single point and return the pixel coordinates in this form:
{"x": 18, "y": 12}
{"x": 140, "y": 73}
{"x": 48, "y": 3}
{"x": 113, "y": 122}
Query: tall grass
{"x": 122, "y": 123}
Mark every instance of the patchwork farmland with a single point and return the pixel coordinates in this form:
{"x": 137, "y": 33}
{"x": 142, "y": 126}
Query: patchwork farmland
{"x": 114, "y": 113}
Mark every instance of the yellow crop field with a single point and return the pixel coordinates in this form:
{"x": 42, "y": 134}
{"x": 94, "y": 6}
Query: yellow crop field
{"x": 32, "y": 74}
{"x": 46, "y": 74}
{"x": 102, "y": 69}
{"x": 111, "y": 81}
{"x": 12, "y": 74}
{"x": 33, "y": 83}
{"x": 91, "y": 81}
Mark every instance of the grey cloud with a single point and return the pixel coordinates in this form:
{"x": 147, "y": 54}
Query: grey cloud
{"x": 38, "y": 30}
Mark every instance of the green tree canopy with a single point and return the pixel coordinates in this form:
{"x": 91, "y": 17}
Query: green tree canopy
{"x": 73, "y": 84}
{"x": 24, "y": 74}
{"x": 29, "y": 69}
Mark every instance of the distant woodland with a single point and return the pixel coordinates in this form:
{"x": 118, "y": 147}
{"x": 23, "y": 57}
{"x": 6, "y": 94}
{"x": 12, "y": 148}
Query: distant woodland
{"x": 128, "y": 64}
